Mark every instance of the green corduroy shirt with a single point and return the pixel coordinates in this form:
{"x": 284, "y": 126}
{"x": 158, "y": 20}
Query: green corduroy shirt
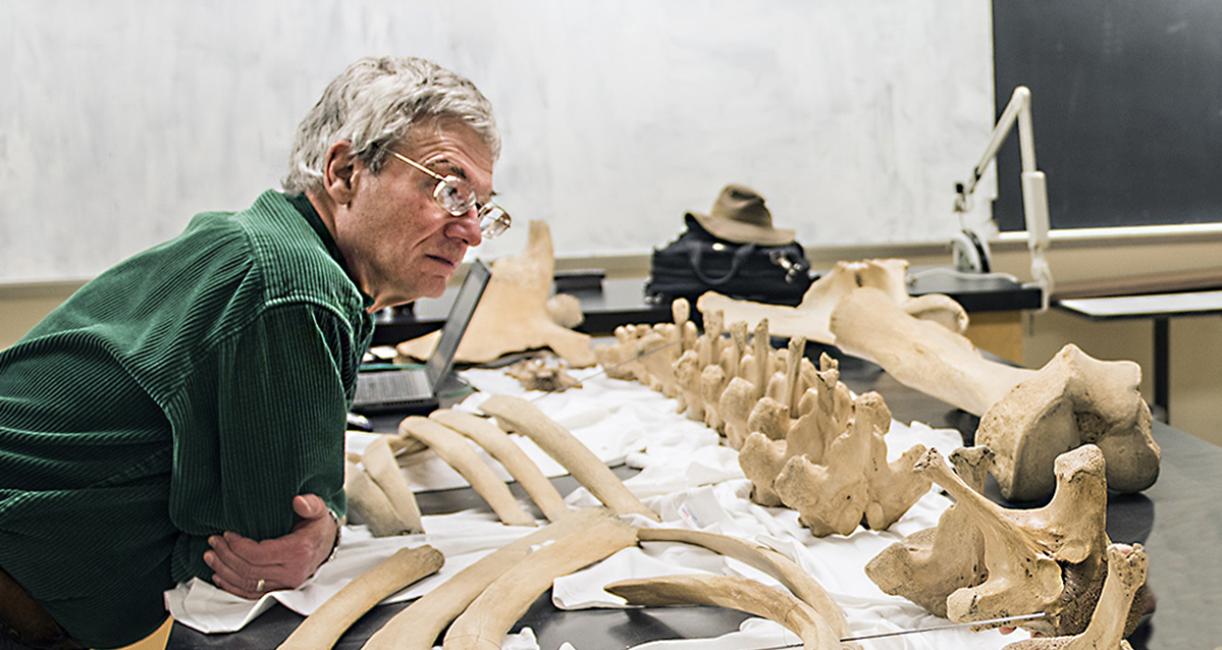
{"x": 192, "y": 389}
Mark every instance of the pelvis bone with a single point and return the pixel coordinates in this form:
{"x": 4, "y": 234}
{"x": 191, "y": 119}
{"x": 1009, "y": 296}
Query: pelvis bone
{"x": 984, "y": 561}
{"x": 512, "y": 315}
{"x": 1028, "y": 416}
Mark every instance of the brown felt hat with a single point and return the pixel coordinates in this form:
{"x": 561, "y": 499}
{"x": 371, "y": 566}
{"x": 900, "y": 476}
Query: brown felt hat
{"x": 739, "y": 215}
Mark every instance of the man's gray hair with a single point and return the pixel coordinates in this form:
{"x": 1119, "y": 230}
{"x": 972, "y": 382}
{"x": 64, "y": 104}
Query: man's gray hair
{"x": 373, "y": 104}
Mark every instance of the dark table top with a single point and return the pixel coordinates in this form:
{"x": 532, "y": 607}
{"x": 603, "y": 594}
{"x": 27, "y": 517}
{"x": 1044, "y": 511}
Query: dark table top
{"x": 622, "y": 300}
{"x": 1179, "y": 520}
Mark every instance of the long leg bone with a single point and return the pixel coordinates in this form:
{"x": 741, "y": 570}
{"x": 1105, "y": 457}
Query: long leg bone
{"x": 490, "y": 616}
{"x": 328, "y": 623}
{"x": 452, "y": 447}
{"x": 1028, "y": 417}
{"x": 734, "y": 593}
{"x": 417, "y": 627}
{"x": 811, "y": 318}
{"x": 568, "y": 451}
{"x": 763, "y": 558}
{"x": 497, "y": 443}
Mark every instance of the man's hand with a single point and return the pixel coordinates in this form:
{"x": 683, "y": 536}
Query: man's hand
{"x": 249, "y": 569}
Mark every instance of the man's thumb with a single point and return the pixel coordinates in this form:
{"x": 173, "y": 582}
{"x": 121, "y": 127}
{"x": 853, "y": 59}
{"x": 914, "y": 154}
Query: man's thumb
{"x": 309, "y": 506}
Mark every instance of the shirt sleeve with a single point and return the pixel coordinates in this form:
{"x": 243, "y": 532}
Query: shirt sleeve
{"x": 274, "y": 429}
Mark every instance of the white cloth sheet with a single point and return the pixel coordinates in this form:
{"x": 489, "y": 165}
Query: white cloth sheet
{"x": 686, "y": 476}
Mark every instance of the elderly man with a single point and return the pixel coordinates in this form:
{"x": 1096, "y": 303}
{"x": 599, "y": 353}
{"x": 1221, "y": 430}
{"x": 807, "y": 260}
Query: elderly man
{"x": 192, "y": 399}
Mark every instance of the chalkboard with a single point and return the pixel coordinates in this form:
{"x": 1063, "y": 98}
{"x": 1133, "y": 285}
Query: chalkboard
{"x": 119, "y": 120}
{"x": 1127, "y": 108}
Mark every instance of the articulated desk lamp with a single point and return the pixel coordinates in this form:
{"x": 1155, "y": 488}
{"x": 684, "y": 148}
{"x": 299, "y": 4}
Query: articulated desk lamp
{"x": 970, "y": 249}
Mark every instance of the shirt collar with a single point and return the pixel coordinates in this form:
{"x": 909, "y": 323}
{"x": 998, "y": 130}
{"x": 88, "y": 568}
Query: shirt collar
{"x": 303, "y": 205}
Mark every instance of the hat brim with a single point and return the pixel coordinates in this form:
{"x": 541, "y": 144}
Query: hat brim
{"x": 743, "y": 233}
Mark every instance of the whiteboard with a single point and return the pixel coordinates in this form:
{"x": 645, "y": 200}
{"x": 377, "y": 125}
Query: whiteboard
{"x": 121, "y": 119}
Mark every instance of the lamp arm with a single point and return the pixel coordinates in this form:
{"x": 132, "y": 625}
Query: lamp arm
{"x": 1034, "y": 185}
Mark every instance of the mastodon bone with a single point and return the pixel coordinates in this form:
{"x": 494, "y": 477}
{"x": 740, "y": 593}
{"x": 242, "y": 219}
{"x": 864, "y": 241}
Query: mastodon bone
{"x": 1126, "y": 573}
{"x": 491, "y": 615}
{"x": 320, "y": 630}
{"x": 453, "y": 448}
{"x": 1050, "y": 559}
{"x": 786, "y": 571}
{"x": 417, "y": 627}
{"x": 1073, "y": 400}
{"x": 512, "y": 315}
{"x": 1028, "y": 416}
{"x": 810, "y": 319}
{"x": 566, "y": 449}
{"x": 497, "y": 443}
{"x": 742, "y": 594}
{"x": 378, "y": 492}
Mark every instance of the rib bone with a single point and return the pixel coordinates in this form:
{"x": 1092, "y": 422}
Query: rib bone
{"x": 497, "y": 443}
{"x": 490, "y": 616}
{"x": 417, "y": 627}
{"x": 741, "y": 594}
{"x": 763, "y": 558}
{"x": 560, "y": 444}
{"x": 328, "y": 623}
{"x": 380, "y": 494}
{"x": 452, "y": 447}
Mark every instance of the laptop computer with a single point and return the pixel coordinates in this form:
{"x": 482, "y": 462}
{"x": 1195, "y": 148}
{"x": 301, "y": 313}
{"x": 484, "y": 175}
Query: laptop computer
{"x": 416, "y": 389}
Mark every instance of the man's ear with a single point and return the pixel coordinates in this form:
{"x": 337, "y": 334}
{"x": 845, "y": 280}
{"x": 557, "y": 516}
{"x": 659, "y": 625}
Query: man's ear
{"x": 339, "y": 172}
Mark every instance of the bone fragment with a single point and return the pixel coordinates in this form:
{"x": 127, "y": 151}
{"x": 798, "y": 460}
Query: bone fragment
{"x": 327, "y": 624}
{"x": 538, "y": 374}
{"x": 734, "y": 593}
{"x": 498, "y": 444}
{"x": 490, "y": 616}
{"x": 452, "y": 447}
{"x": 380, "y": 493}
{"x": 1028, "y": 417}
{"x": 561, "y": 445}
{"x": 417, "y": 626}
{"x": 811, "y": 318}
{"x": 800, "y": 583}
{"x": 512, "y": 315}
{"x": 1126, "y": 573}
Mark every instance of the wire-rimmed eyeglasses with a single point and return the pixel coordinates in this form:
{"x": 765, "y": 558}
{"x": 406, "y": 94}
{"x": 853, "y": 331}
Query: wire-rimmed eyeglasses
{"x": 456, "y": 196}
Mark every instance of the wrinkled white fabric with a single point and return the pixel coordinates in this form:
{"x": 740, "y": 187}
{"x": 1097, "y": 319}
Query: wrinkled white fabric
{"x": 686, "y": 476}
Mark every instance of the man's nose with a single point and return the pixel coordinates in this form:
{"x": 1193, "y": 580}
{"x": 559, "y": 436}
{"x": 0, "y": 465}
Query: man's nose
{"x": 466, "y": 228}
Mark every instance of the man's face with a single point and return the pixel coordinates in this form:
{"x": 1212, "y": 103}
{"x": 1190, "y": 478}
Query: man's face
{"x": 400, "y": 243}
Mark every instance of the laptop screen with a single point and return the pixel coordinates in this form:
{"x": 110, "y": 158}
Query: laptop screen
{"x": 442, "y": 359}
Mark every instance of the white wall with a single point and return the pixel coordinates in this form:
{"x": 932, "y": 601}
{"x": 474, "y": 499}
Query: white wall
{"x": 121, "y": 119}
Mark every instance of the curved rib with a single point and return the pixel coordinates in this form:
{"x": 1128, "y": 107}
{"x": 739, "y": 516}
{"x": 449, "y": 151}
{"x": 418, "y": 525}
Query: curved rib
{"x": 381, "y": 466}
{"x": 560, "y": 444}
{"x": 454, "y": 450}
{"x": 733, "y": 593}
{"x": 763, "y": 558}
{"x": 417, "y": 627}
{"x": 484, "y": 625}
{"x": 329, "y": 622}
{"x": 497, "y": 443}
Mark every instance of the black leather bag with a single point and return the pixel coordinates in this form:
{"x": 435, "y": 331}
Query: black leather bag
{"x": 699, "y": 261}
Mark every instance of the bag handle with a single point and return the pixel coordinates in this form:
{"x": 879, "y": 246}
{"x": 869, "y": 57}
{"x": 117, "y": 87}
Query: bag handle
{"x": 695, "y": 254}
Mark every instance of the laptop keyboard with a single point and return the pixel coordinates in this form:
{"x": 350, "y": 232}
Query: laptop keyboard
{"x": 384, "y": 387}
